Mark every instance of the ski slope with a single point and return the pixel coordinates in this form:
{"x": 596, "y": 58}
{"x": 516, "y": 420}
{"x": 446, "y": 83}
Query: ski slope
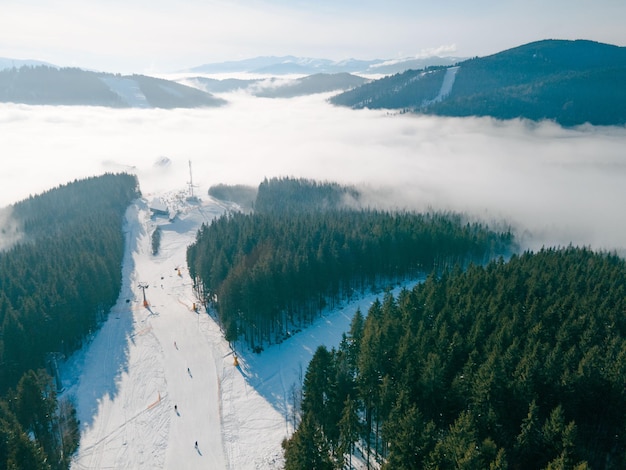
{"x": 446, "y": 86}
{"x": 145, "y": 361}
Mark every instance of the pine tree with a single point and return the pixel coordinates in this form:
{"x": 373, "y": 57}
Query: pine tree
{"x": 307, "y": 448}
{"x": 320, "y": 393}
{"x": 408, "y": 437}
{"x": 35, "y": 407}
{"x": 349, "y": 431}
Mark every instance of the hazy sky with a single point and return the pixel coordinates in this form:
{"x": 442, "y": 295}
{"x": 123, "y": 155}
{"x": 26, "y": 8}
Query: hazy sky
{"x": 165, "y": 35}
{"x": 554, "y": 185}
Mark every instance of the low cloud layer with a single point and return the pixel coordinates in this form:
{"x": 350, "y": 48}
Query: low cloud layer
{"x": 555, "y": 186}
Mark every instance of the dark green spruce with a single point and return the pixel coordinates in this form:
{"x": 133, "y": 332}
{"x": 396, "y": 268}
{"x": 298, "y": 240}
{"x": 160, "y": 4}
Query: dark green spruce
{"x": 56, "y": 284}
{"x": 514, "y": 365}
{"x": 269, "y": 272}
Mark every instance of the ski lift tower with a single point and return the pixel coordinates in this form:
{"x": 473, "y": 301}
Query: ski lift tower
{"x": 143, "y": 286}
{"x": 191, "y": 197}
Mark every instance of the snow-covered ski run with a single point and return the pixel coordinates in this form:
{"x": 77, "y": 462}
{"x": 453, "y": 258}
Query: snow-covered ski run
{"x": 154, "y": 381}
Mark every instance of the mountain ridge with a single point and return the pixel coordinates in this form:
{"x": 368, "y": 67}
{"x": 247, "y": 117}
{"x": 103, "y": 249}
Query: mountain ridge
{"x": 281, "y": 65}
{"x": 570, "y": 82}
{"x": 48, "y": 85}
{"x": 275, "y": 87}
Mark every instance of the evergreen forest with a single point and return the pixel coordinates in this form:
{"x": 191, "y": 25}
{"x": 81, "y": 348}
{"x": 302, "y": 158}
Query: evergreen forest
{"x": 510, "y": 365}
{"x": 273, "y": 271}
{"x": 289, "y": 195}
{"x": 53, "y": 86}
{"x": 569, "y": 82}
{"x": 71, "y": 86}
{"x": 409, "y": 89}
{"x": 58, "y": 279}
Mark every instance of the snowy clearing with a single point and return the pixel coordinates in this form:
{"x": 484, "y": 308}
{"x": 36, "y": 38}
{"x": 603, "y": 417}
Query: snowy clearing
{"x": 155, "y": 380}
{"x": 446, "y": 86}
{"x": 128, "y": 90}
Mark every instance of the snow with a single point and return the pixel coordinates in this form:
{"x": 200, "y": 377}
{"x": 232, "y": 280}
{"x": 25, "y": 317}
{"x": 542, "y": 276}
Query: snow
{"x": 448, "y": 81}
{"x": 446, "y": 86}
{"x": 127, "y": 89}
{"x": 144, "y": 361}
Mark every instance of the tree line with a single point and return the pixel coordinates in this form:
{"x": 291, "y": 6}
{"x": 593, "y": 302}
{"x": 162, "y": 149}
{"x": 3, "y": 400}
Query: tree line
{"x": 287, "y": 195}
{"x": 56, "y": 283}
{"x": 267, "y": 273}
{"x": 517, "y": 364}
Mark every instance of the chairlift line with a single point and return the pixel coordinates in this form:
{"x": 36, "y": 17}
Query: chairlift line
{"x": 191, "y": 196}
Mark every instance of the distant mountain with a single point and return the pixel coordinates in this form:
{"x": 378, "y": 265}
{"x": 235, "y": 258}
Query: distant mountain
{"x": 307, "y": 66}
{"x": 570, "y": 82}
{"x": 316, "y": 83}
{"x": 7, "y": 63}
{"x": 43, "y": 85}
{"x": 279, "y": 87}
{"x": 226, "y": 85}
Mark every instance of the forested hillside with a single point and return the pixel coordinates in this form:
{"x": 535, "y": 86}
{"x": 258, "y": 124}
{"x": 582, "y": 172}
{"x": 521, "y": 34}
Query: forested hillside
{"x": 408, "y": 90}
{"x": 50, "y": 85}
{"x": 56, "y": 283}
{"x": 275, "y": 270}
{"x": 570, "y": 82}
{"x": 43, "y": 85}
{"x": 279, "y": 87}
{"x": 291, "y": 195}
{"x": 518, "y": 364}
{"x": 316, "y": 83}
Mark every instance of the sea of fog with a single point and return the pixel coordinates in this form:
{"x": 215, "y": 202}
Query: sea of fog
{"x": 553, "y": 186}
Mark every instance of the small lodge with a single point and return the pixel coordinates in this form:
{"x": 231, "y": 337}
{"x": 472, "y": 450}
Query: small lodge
{"x": 159, "y": 208}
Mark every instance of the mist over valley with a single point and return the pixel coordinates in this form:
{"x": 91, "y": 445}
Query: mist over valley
{"x": 553, "y": 186}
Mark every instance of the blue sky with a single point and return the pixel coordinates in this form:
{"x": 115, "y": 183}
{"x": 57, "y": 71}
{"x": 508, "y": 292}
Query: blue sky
{"x": 164, "y": 35}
